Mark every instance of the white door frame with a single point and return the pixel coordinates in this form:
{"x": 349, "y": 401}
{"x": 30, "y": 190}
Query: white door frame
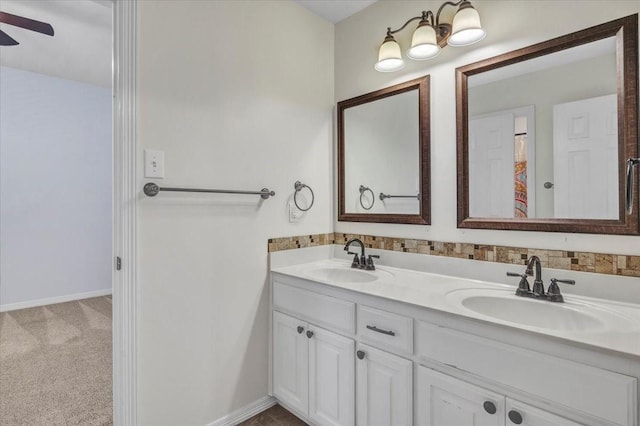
{"x": 125, "y": 202}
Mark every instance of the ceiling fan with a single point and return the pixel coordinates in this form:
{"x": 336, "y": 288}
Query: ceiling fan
{"x": 26, "y": 23}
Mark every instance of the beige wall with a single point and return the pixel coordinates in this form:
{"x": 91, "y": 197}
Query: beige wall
{"x": 510, "y": 25}
{"x": 238, "y": 94}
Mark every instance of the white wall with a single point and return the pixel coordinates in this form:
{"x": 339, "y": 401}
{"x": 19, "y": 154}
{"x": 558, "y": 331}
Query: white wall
{"x": 509, "y": 26}
{"x": 55, "y": 186}
{"x": 239, "y": 95}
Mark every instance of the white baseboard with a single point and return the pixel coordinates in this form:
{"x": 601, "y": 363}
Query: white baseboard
{"x": 245, "y": 412}
{"x": 51, "y": 300}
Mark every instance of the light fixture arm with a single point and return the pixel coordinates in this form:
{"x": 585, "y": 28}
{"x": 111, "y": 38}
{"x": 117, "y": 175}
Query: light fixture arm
{"x": 425, "y": 16}
{"x": 448, "y": 3}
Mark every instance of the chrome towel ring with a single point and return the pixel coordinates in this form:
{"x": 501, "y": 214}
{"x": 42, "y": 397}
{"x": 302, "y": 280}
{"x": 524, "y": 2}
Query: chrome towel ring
{"x": 299, "y": 186}
{"x": 363, "y": 189}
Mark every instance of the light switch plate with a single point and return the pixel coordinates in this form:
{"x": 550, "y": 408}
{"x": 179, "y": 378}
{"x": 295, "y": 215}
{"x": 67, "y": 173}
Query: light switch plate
{"x": 153, "y": 163}
{"x": 294, "y": 213}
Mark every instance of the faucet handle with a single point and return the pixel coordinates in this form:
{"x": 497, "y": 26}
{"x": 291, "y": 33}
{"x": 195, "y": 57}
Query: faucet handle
{"x": 375, "y": 256}
{"x": 523, "y": 286}
{"x": 553, "y": 292}
{"x": 356, "y": 260}
{"x": 516, "y": 274}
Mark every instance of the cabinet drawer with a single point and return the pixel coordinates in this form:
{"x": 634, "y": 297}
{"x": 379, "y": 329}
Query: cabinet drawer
{"x": 598, "y": 393}
{"x": 317, "y": 308}
{"x": 381, "y": 328}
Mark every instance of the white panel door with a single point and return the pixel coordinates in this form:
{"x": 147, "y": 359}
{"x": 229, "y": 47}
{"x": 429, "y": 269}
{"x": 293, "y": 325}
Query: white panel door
{"x": 384, "y": 388}
{"x": 290, "y": 361}
{"x": 527, "y": 415}
{"x": 331, "y": 378}
{"x": 491, "y": 166}
{"x": 585, "y": 159}
{"x": 445, "y": 401}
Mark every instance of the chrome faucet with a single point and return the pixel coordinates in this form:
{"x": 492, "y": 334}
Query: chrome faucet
{"x": 361, "y": 262}
{"x": 553, "y": 293}
{"x": 538, "y": 286}
{"x": 358, "y": 262}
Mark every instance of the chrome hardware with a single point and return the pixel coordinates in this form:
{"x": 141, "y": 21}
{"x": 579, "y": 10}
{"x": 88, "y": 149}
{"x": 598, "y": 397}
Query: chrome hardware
{"x": 360, "y": 263}
{"x": 515, "y": 417}
{"x": 379, "y": 330}
{"x": 362, "y": 190}
{"x": 383, "y": 196}
{"x": 523, "y": 286}
{"x": 489, "y": 407}
{"x": 309, "y": 334}
{"x": 538, "y": 287}
{"x": 299, "y": 186}
{"x": 553, "y": 292}
{"x": 360, "y": 354}
{"x": 151, "y": 190}
{"x": 356, "y": 260}
{"x": 370, "y": 266}
{"x": 631, "y": 164}
{"x": 300, "y": 329}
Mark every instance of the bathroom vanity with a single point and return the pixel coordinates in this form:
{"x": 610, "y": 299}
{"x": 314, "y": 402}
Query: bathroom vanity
{"x": 401, "y": 346}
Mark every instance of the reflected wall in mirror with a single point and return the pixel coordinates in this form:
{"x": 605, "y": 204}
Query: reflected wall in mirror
{"x": 383, "y": 155}
{"x": 545, "y": 132}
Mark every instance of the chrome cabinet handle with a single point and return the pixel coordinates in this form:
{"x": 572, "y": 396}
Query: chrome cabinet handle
{"x": 515, "y": 417}
{"x": 379, "y": 330}
{"x": 360, "y": 354}
{"x": 631, "y": 163}
{"x": 489, "y": 407}
{"x": 300, "y": 329}
{"x": 309, "y": 334}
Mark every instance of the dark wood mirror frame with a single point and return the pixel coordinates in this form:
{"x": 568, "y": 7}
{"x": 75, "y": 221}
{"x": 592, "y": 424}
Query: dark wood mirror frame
{"x": 626, "y": 32}
{"x": 424, "y": 217}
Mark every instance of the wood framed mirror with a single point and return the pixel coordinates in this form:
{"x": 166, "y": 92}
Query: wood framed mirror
{"x": 544, "y": 134}
{"x": 384, "y": 155}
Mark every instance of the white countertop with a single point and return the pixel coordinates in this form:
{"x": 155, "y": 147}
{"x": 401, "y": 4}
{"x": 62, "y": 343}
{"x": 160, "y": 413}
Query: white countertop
{"x": 438, "y": 292}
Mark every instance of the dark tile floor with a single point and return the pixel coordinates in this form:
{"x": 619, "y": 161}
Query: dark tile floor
{"x": 274, "y": 416}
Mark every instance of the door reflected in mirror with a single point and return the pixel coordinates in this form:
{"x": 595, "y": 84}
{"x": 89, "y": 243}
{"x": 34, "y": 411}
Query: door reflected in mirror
{"x": 383, "y": 150}
{"x": 545, "y": 133}
{"x": 543, "y": 139}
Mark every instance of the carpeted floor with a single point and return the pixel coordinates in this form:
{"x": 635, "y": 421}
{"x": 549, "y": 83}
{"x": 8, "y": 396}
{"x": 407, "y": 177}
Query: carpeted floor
{"x": 56, "y": 363}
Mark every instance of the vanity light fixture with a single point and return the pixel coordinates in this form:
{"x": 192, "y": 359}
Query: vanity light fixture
{"x": 430, "y": 35}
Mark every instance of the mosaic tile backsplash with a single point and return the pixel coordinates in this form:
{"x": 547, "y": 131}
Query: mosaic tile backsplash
{"x": 570, "y": 260}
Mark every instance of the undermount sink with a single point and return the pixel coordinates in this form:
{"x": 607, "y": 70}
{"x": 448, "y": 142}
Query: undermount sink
{"x": 345, "y": 274}
{"x": 504, "y": 305}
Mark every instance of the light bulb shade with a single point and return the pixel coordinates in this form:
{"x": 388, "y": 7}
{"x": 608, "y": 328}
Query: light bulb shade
{"x": 424, "y": 44}
{"x": 466, "y": 28}
{"x": 389, "y": 56}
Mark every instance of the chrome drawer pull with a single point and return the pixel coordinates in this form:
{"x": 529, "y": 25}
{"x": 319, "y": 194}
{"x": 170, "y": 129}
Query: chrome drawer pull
{"x": 378, "y": 330}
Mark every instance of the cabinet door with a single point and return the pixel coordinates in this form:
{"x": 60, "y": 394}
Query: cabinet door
{"x": 384, "y": 388}
{"x": 445, "y": 401}
{"x": 331, "y": 378}
{"x": 290, "y": 361}
{"x": 519, "y": 413}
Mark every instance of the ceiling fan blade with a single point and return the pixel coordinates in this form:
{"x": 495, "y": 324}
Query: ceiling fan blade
{"x": 26, "y": 23}
{"x": 6, "y": 40}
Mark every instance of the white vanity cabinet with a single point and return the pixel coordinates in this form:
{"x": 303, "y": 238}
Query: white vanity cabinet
{"x": 446, "y": 401}
{"x": 342, "y": 357}
{"x": 313, "y": 367}
{"x": 313, "y": 371}
{"x": 384, "y": 388}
